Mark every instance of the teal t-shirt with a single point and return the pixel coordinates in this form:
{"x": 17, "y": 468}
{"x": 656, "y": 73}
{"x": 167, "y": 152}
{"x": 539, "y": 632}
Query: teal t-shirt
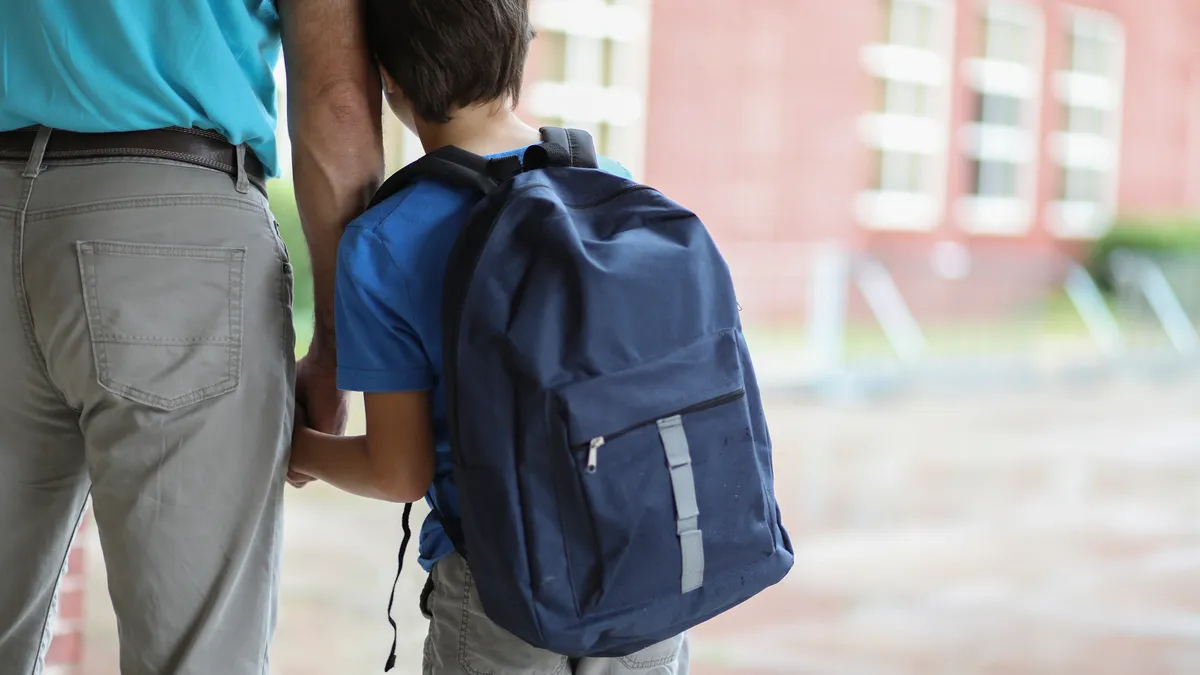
{"x": 128, "y": 65}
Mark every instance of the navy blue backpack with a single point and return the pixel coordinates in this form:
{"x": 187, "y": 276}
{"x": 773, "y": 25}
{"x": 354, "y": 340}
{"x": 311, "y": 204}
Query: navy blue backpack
{"x": 610, "y": 449}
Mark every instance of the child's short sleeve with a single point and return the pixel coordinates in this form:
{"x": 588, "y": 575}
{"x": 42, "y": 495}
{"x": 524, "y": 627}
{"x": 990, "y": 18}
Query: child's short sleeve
{"x": 379, "y": 350}
{"x": 614, "y": 167}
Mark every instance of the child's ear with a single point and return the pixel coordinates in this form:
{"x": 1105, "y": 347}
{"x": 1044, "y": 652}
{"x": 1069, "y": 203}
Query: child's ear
{"x": 389, "y": 85}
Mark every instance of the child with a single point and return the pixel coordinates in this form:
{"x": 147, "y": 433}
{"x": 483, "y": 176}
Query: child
{"x": 452, "y": 71}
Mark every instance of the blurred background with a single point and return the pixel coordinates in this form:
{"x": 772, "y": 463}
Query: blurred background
{"x": 966, "y": 237}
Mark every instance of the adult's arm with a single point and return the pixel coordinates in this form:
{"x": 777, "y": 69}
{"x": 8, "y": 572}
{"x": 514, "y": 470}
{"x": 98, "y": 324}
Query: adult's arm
{"x": 334, "y": 118}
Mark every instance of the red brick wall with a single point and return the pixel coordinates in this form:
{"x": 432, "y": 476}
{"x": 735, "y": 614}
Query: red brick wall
{"x": 1161, "y": 104}
{"x": 753, "y": 116}
{"x": 66, "y": 651}
{"x": 753, "y": 122}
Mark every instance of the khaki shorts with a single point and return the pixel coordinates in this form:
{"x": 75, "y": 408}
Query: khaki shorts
{"x": 463, "y": 641}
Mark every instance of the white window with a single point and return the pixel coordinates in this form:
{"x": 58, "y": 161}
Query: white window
{"x": 1000, "y": 140}
{"x": 1087, "y": 147}
{"x": 593, "y": 61}
{"x": 913, "y": 23}
{"x": 906, "y": 133}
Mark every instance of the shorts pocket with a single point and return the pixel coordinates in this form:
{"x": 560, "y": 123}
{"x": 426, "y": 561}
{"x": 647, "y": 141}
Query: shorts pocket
{"x": 165, "y": 320}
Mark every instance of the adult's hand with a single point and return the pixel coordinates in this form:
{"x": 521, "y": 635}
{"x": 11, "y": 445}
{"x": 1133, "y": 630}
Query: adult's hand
{"x": 298, "y": 479}
{"x": 319, "y": 403}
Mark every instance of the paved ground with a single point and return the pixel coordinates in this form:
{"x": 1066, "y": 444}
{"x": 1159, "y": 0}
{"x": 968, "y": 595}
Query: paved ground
{"x": 1028, "y": 533}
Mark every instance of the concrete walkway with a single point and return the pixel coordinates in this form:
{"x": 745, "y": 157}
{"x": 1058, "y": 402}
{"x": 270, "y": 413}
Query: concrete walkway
{"x": 1051, "y": 532}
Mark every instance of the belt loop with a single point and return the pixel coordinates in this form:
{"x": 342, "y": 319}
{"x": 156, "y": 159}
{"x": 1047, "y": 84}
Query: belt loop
{"x": 34, "y": 166}
{"x": 243, "y": 179}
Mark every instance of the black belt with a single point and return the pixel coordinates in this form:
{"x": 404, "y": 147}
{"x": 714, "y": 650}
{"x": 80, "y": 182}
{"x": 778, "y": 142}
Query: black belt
{"x": 192, "y": 146}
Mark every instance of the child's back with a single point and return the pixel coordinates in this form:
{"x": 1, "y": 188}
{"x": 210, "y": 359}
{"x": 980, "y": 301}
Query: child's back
{"x": 453, "y": 73}
{"x": 391, "y": 266}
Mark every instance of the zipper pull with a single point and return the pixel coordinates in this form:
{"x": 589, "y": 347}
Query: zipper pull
{"x": 593, "y": 453}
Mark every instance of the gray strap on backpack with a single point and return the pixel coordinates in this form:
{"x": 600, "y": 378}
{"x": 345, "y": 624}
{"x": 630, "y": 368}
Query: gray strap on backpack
{"x": 687, "y": 511}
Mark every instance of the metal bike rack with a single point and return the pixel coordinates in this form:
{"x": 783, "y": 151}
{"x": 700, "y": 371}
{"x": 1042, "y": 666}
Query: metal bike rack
{"x": 834, "y": 273}
{"x": 837, "y": 273}
{"x": 1142, "y": 273}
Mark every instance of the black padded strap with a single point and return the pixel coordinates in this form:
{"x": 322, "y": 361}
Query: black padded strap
{"x": 567, "y": 147}
{"x": 583, "y": 149}
{"x": 454, "y": 166}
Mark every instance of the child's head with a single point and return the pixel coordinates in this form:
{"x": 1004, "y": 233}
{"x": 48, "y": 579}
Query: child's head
{"x": 444, "y": 55}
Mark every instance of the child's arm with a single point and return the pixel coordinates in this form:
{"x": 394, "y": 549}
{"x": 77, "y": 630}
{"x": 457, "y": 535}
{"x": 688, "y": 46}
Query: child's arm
{"x": 393, "y": 462}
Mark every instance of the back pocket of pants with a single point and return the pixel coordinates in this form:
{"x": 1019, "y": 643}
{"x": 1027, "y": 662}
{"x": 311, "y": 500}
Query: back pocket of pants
{"x": 165, "y": 321}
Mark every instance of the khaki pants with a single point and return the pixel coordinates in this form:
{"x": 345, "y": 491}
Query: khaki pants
{"x": 146, "y": 357}
{"x": 463, "y": 641}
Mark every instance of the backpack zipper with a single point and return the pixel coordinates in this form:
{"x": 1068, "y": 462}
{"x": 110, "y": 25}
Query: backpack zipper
{"x": 594, "y": 445}
{"x": 593, "y": 452}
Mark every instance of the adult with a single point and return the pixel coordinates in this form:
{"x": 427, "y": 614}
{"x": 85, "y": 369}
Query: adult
{"x": 146, "y": 344}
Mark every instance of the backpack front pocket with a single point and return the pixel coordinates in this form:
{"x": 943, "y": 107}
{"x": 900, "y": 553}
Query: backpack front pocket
{"x": 671, "y": 475}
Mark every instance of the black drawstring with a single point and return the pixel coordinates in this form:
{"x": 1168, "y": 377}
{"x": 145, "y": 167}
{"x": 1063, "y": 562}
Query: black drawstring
{"x": 391, "y": 660}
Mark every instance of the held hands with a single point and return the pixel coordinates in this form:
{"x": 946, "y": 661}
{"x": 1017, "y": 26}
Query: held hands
{"x": 325, "y": 408}
{"x": 319, "y": 405}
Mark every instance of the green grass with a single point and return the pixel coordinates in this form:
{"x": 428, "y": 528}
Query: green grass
{"x": 304, "y": 330}
{"x": 283, "y": 206}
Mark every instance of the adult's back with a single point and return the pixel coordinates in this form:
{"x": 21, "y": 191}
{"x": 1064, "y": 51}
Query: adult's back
{"x": 129, "y": 65}
{"x": 145, "y": 305}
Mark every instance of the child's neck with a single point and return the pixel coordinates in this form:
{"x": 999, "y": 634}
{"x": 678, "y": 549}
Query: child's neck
{"x": 484, "y": 130}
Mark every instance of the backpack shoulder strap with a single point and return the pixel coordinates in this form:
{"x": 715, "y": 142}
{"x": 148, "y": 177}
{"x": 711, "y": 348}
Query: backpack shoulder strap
{"x": 568, "y": 147}
{"x": 454, "y": 166}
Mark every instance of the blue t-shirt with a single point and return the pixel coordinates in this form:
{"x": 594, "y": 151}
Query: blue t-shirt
{"x": 128, "y": 65}
{"x": 391, "y": 264}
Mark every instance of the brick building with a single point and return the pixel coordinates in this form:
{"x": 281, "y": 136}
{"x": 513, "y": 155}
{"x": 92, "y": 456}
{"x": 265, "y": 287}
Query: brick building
{"x": 890, "y": 126}
{"x": 894, "y": 127}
